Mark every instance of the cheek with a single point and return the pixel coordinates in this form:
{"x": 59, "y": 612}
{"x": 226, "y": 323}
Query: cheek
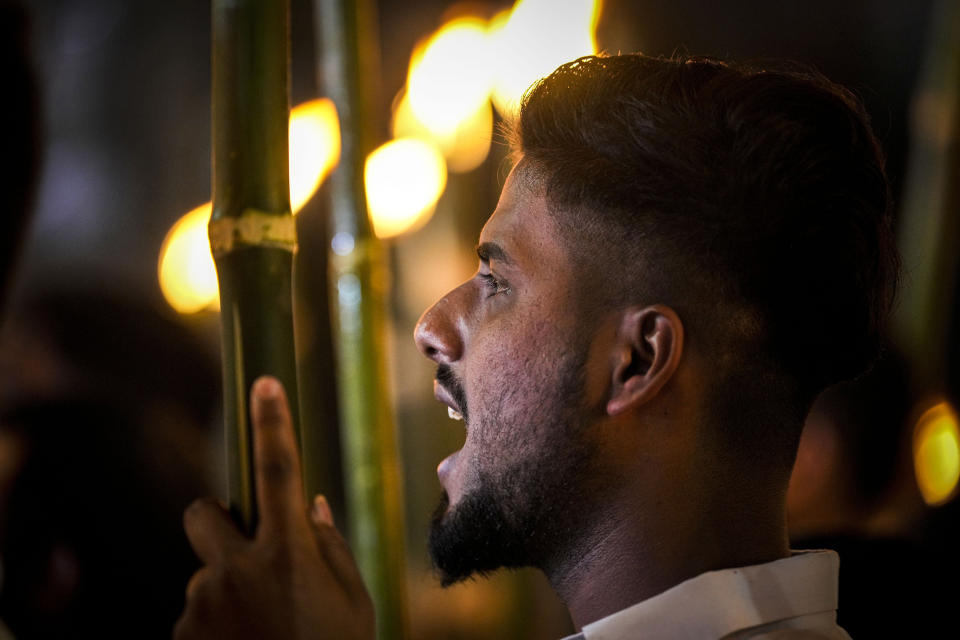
{"x": 508, "y": 382}
{"x": 598, "y": 374}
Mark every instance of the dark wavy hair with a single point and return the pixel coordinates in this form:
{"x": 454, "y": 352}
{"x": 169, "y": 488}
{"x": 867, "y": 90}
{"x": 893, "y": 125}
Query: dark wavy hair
{"x": 752, "y": 201}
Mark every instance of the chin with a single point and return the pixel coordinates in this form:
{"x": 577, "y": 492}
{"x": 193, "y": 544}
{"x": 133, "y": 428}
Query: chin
{"x": 472, "y": 537}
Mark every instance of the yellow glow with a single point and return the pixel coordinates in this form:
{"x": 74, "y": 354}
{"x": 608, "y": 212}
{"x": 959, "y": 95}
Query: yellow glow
{"x": 188, "y": 278}
{"x": 936, "y": 454}
{"x": 454, "y": 73}
{"x": 404, "y": 179}
{"x": 534, "y": 38}
{"x": 450, "y": 75}
{"x": 314, "y": 148}
{"x": 465, "y": 148}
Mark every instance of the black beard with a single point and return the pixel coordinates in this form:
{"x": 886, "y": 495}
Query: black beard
{"x": 473, "y": 539}
{"x": 534, "y": 512}
{"x": 533, "y": 515}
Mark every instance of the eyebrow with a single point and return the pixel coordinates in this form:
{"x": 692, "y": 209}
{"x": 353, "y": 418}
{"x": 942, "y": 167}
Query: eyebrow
{"x": 488, "y": 251}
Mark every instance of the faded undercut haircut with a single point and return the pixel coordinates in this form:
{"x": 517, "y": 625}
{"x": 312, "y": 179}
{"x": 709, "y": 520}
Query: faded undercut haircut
{"x": 752, "y": 201}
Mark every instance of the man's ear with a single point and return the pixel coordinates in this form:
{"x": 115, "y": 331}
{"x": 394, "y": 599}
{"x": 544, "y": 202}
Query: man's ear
{"x": 648, "y": 349}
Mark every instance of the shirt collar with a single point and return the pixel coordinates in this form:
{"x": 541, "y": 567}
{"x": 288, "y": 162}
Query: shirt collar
{"x": 718, "y": 603}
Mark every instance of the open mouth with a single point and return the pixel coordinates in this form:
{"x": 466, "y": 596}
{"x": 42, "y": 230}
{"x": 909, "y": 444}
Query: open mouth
{"x": 440, "y": 393}
{"x": 448, "y": 389}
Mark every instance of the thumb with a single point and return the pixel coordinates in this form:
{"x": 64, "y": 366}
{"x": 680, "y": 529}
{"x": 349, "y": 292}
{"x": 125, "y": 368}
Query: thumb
{"x": 334, "y": 548}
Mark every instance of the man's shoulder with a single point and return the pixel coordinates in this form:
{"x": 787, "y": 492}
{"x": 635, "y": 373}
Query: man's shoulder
{"x": 792, "y": 598}
{"x": 777, "y": 632}
{"x": 795, "y": 634}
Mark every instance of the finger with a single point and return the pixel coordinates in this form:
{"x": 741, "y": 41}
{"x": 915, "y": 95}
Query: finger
{"x": 197, "y": 579}
{"x": 184, "y": 627}
{"x": 210, "y": 530}
{"x": 320, "y": 511}
{"x": 276, "y": 458}
{"x": 334, "y": 547}
{"x": 197, "y": 609}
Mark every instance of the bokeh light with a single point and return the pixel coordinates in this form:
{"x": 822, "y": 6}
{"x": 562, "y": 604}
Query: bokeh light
{"x": 449, "y": 76}
{"x": 465, "y": 148}
{"x": 534, "y": 38}
{"x": 188, "y": 276}
{"x": 936, "y": 453}
{"x": 404, "y": 179}
{"x": 454, "y": 74}
{"x": 314, "y": 148}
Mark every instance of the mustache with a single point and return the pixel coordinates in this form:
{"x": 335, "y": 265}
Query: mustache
{"x": 449, "y": 381}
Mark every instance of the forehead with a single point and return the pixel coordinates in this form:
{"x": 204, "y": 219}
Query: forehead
{"x": 523, "y": 225}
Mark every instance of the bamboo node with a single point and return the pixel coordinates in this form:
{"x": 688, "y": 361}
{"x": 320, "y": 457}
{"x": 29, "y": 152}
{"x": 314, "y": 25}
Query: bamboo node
{"x": 253, "y": 228}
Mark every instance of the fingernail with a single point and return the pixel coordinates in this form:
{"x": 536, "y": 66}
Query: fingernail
{"x": 320, "y": 512}
{"x": 266, "y": 388}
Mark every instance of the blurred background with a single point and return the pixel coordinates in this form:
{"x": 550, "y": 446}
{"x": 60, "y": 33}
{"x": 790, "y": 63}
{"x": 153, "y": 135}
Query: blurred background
{"x": 109, "y": 373}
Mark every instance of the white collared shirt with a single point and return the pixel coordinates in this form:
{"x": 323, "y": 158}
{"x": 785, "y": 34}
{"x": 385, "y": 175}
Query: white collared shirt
{"x": 790, "y": 598}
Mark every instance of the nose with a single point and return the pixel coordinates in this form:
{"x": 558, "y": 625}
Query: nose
{"x": 438, "y": 333}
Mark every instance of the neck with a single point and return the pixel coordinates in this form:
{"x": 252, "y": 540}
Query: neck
{"x": 640, "y": 546}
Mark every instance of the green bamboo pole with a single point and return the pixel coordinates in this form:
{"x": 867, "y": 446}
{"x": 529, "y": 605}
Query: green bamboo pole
{"x": 348, "y": 55}
{"x": 930, "y": 219}
{"x": 252, "y": 232}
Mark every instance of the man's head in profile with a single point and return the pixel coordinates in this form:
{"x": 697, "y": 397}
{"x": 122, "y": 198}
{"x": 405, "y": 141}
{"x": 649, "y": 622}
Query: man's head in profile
{"x": 686, "y": 253}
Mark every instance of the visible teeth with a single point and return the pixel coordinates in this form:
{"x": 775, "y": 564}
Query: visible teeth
{"x": 454, "y": 414}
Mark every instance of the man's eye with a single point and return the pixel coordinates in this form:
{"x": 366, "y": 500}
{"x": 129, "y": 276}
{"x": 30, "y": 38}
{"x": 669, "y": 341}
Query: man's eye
{"x": 493, "y": 284}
